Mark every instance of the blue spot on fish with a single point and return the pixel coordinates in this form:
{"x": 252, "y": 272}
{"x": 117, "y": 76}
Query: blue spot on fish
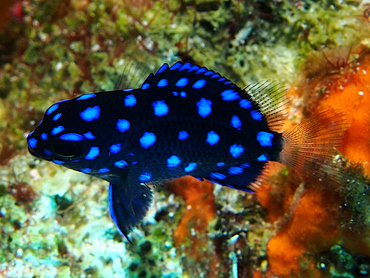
{"x": 204, "y": 107}
{"x": 115, "y": 148}
{"x": 71, "y": 137}
{"x": 235, "y": 170}
{"x": 176, "y": 66}
{"x": 212, "y": 138}
{"x": 191, "y": 166}
{"x": 145, "y": 86}
{"x": 90, "y": 114}
{"x": 147, "y": 140}
{"x": 185, "y": 66}
{"x": 265, "y": 138}
{"x": 32, "y": 142}
{"x": 89, "y": 135}
{"x": 160, "y": 108}
{"x": 103, "y": 170}
{"x": 52, "y": 109}
{"x": 57, "y": 116}
{"x": 87, "y": 96}
{"x": 57, "y": 130}
{"x": 236, "y": 150}
{"x": 262, "y": 157}
{"x": 193, "y": 68}
{"x": 44, "y": 136}
{"x": 246, "y": 104}
{"x": 120, "y": 164}
{"x": 93, "y": 153}
{"x": 162, "y": 83}
{"x": 199, "y": 84}
{"x": 161, "y": 69}
{"x": 229, "y": 95}
{"x": 85, "y": 170}
{"x": 183, "y": 135}
{"x": 122, "y": 125}
{"x": 201, "y": 70}
{"x": 220, "y": 164}
{"x": 218, "y": 176}
{"x": 145, "y": 177}
{"x": 182, "y": 82}
{"x": 236, "y": 122}
{"x": 256, "y": 115}
{"x": 173, "y": 161}
{"x": 130, "y": 100}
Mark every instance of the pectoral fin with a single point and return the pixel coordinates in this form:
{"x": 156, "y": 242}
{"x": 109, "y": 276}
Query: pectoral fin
{"x": 128, "y": 205}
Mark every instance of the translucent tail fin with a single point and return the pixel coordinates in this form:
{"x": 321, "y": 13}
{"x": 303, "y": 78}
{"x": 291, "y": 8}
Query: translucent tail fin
{"x": 310, "y": 147}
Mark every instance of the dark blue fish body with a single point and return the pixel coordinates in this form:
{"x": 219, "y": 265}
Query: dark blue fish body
{"x": 184, "y": 120}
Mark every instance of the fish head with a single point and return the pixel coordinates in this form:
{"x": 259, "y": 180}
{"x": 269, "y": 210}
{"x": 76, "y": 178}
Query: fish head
{"x": 76, "y": 133}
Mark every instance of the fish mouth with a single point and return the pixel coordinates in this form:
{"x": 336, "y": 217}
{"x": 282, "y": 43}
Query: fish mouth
{"x": 31, "y": 151}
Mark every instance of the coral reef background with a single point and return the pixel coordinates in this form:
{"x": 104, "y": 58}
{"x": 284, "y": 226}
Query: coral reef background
{"x": 55, "y": 222}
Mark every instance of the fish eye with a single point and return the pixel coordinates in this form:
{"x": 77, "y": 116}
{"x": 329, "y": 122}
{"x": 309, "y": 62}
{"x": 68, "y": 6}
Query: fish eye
{"x": 68, "y": 146}
{"x": 69, "y": 150}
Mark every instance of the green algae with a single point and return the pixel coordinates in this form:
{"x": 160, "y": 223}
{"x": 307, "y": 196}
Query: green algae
{"x": 356, "y": 190}
{"x": 338, "y": 262}
{"x": 66, "y": 49}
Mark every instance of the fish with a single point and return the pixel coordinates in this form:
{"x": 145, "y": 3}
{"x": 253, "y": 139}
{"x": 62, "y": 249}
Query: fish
{"x": 183, "y": 120}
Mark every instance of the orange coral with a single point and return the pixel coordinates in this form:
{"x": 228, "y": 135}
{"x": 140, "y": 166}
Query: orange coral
{"x": 351, "y": 94}
{"x": 347, "y": 91}
{"x": 313, "y": 224}
{"x": 312, "y": 228}
{"x": 274, "y": 197}
{"x": 308, "y": 223}
{"x": 193, "y": 227}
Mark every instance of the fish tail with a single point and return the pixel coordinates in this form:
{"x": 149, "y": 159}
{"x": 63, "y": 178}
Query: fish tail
{"x": 310, "y": 147}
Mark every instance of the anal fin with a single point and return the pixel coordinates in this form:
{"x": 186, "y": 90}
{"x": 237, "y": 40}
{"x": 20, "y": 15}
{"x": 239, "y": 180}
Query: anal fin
{"x": 242, "y": 177}
{"x": 128, "y": 205}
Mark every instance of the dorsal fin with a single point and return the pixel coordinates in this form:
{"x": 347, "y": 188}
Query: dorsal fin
{"x": 271, "y": 99}
{"x": 132, "y": 75}
{"x": 193, "y": 74}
